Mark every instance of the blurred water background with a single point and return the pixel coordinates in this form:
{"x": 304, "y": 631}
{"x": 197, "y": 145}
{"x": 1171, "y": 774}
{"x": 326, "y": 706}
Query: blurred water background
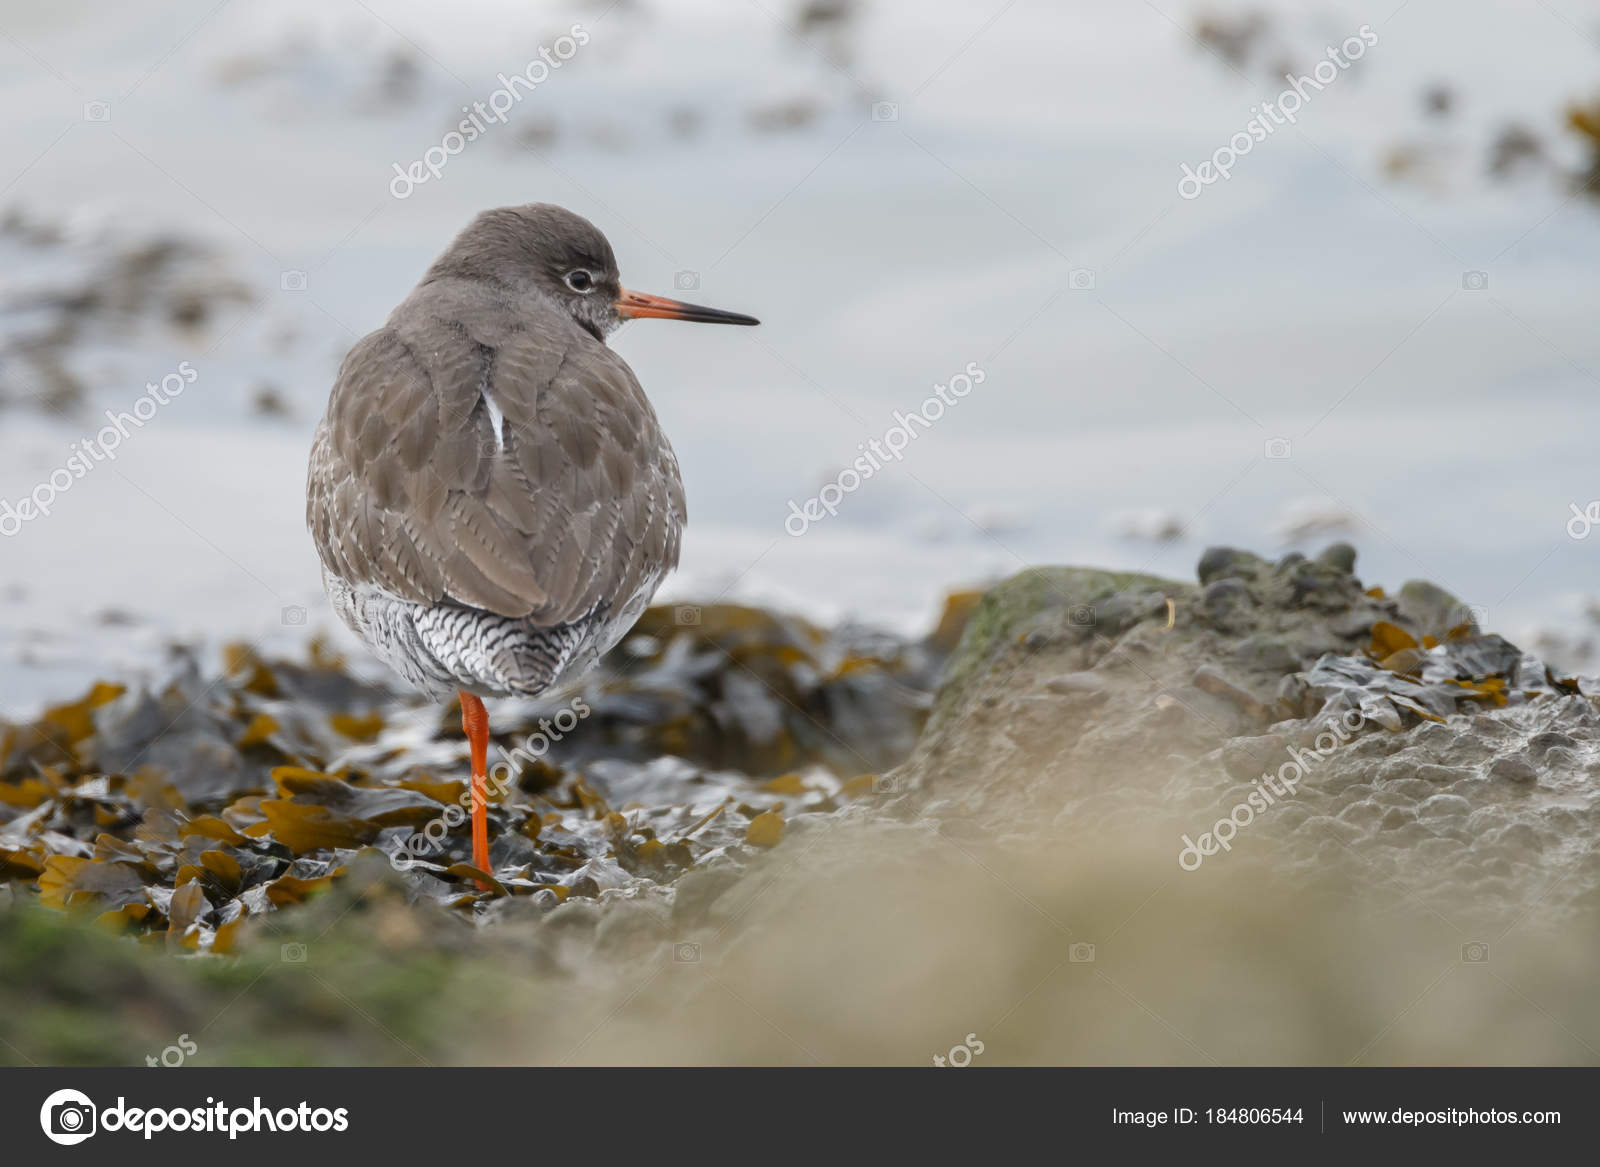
{"x": 1378, "y": 328}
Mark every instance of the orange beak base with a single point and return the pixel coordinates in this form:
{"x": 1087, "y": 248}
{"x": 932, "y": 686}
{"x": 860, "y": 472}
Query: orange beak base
{"x": 638, "y": 305}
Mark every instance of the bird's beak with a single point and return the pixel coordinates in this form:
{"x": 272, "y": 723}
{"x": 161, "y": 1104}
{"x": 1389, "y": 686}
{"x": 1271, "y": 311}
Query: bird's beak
{"x": 633, "y": 305}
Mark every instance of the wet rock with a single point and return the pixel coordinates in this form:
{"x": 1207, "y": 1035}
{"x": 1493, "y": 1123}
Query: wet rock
{"x": 1561, "y": 821}
{"x": 622, "y": 934}
{"x": 1247, "y": 757}
{"x": 1518, "y": 837}
{"x": 1444, "y": 724}
{"x": 1399, "y": 769}
{"x": 1114, "y": 702}
{"x": 1086, "y": 685}
{"x": 1559, "y": 758}
{"x": 698, "y": 890}
{"x": 1412, "y": 789}
{"x": 1226, "y": 602}
{"x": 1443, "y": 806}
{"x": 1362, "y": 814}
{"x": 205, "y": 801}
{"x": 1218, "y": 562}
{"x": 1432, "y": 609}
{"x": 1339, "y": 556}
{"x": 1539, "y": 743}
{"x": 1210, "y": 679}
{"x": 1324, "y": 828}
{"x": 1513, "y": 769}
{"x": 1264, "y": 654}
{"x": 1397, "y": 817}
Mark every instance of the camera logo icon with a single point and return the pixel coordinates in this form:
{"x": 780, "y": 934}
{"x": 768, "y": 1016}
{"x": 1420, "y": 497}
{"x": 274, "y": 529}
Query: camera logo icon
{"x": 686, "y": 615}
{"x": 1474, "y": 281}
{"x": 685, "y": 953}
{"x": 96, "y": 111}
{"x": 292, "y": 281}
{"x": 293, "y": 953}
{"x": 885, "y": 111}
{"x": 68, "y": 1117}
{"x": 1475, "y": 952}
{"x": 1081, "y": 953}
{"x": 686, "y": 281}
{"x": 1278, "y": 449}
{"x": 293, "y": 616}
{"x": 1081, "y": 279}
{"x": 1082, "y": 615}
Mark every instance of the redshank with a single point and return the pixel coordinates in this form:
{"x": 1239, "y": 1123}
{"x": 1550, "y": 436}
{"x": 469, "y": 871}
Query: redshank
{"x": 490, "y": 492}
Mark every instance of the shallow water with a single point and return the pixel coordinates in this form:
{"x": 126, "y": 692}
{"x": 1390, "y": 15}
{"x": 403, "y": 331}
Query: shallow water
{"x": 1309, "y": 297}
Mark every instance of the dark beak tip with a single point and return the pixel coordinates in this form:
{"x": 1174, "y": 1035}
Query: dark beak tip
{"x": 701, "y": 315}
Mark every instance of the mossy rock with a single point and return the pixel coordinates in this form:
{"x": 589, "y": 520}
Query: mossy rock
{"x": 73, "y": 993}
{"x": 1074, "y": 603}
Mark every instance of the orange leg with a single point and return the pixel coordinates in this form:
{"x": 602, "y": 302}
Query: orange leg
{"x": 475, "y": 724}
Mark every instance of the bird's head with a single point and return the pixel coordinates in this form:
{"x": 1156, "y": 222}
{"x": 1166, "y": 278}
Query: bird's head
{"x": 565, "y": 258}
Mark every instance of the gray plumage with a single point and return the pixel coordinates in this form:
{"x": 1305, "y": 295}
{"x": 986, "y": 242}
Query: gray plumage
{"x": 490, "y": 493}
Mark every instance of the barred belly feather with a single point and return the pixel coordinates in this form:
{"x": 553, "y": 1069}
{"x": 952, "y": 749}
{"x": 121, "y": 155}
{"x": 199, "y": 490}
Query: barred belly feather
{"x": 442, "y": 648}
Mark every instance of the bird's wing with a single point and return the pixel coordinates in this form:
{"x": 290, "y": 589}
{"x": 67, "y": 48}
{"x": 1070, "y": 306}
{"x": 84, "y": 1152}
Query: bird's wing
{"x": 502, "y": 466}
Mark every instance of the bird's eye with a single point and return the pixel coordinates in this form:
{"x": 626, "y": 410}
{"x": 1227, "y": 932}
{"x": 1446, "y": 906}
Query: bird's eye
{"x": 580, "y": 281}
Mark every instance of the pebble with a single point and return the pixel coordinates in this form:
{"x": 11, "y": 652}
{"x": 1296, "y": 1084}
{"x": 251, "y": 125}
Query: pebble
{"x": 1513, "y": 769}
{"x": 1397, "y": 817}
{"x": 1444, "y": 806}
{"x": 1541, "y": 742}
{"x": 1078, "y": 684}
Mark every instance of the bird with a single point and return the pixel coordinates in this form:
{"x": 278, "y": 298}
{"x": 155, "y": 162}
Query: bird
{"x": 490, "y": 493}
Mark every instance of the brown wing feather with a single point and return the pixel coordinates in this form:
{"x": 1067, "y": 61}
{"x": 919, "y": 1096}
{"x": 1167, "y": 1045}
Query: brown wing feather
{"x": 576, "y": 504}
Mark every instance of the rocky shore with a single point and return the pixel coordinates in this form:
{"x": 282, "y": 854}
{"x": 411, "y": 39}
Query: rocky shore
{"x": 1449, "y": 759}
{"x": 1101, "y": 816}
